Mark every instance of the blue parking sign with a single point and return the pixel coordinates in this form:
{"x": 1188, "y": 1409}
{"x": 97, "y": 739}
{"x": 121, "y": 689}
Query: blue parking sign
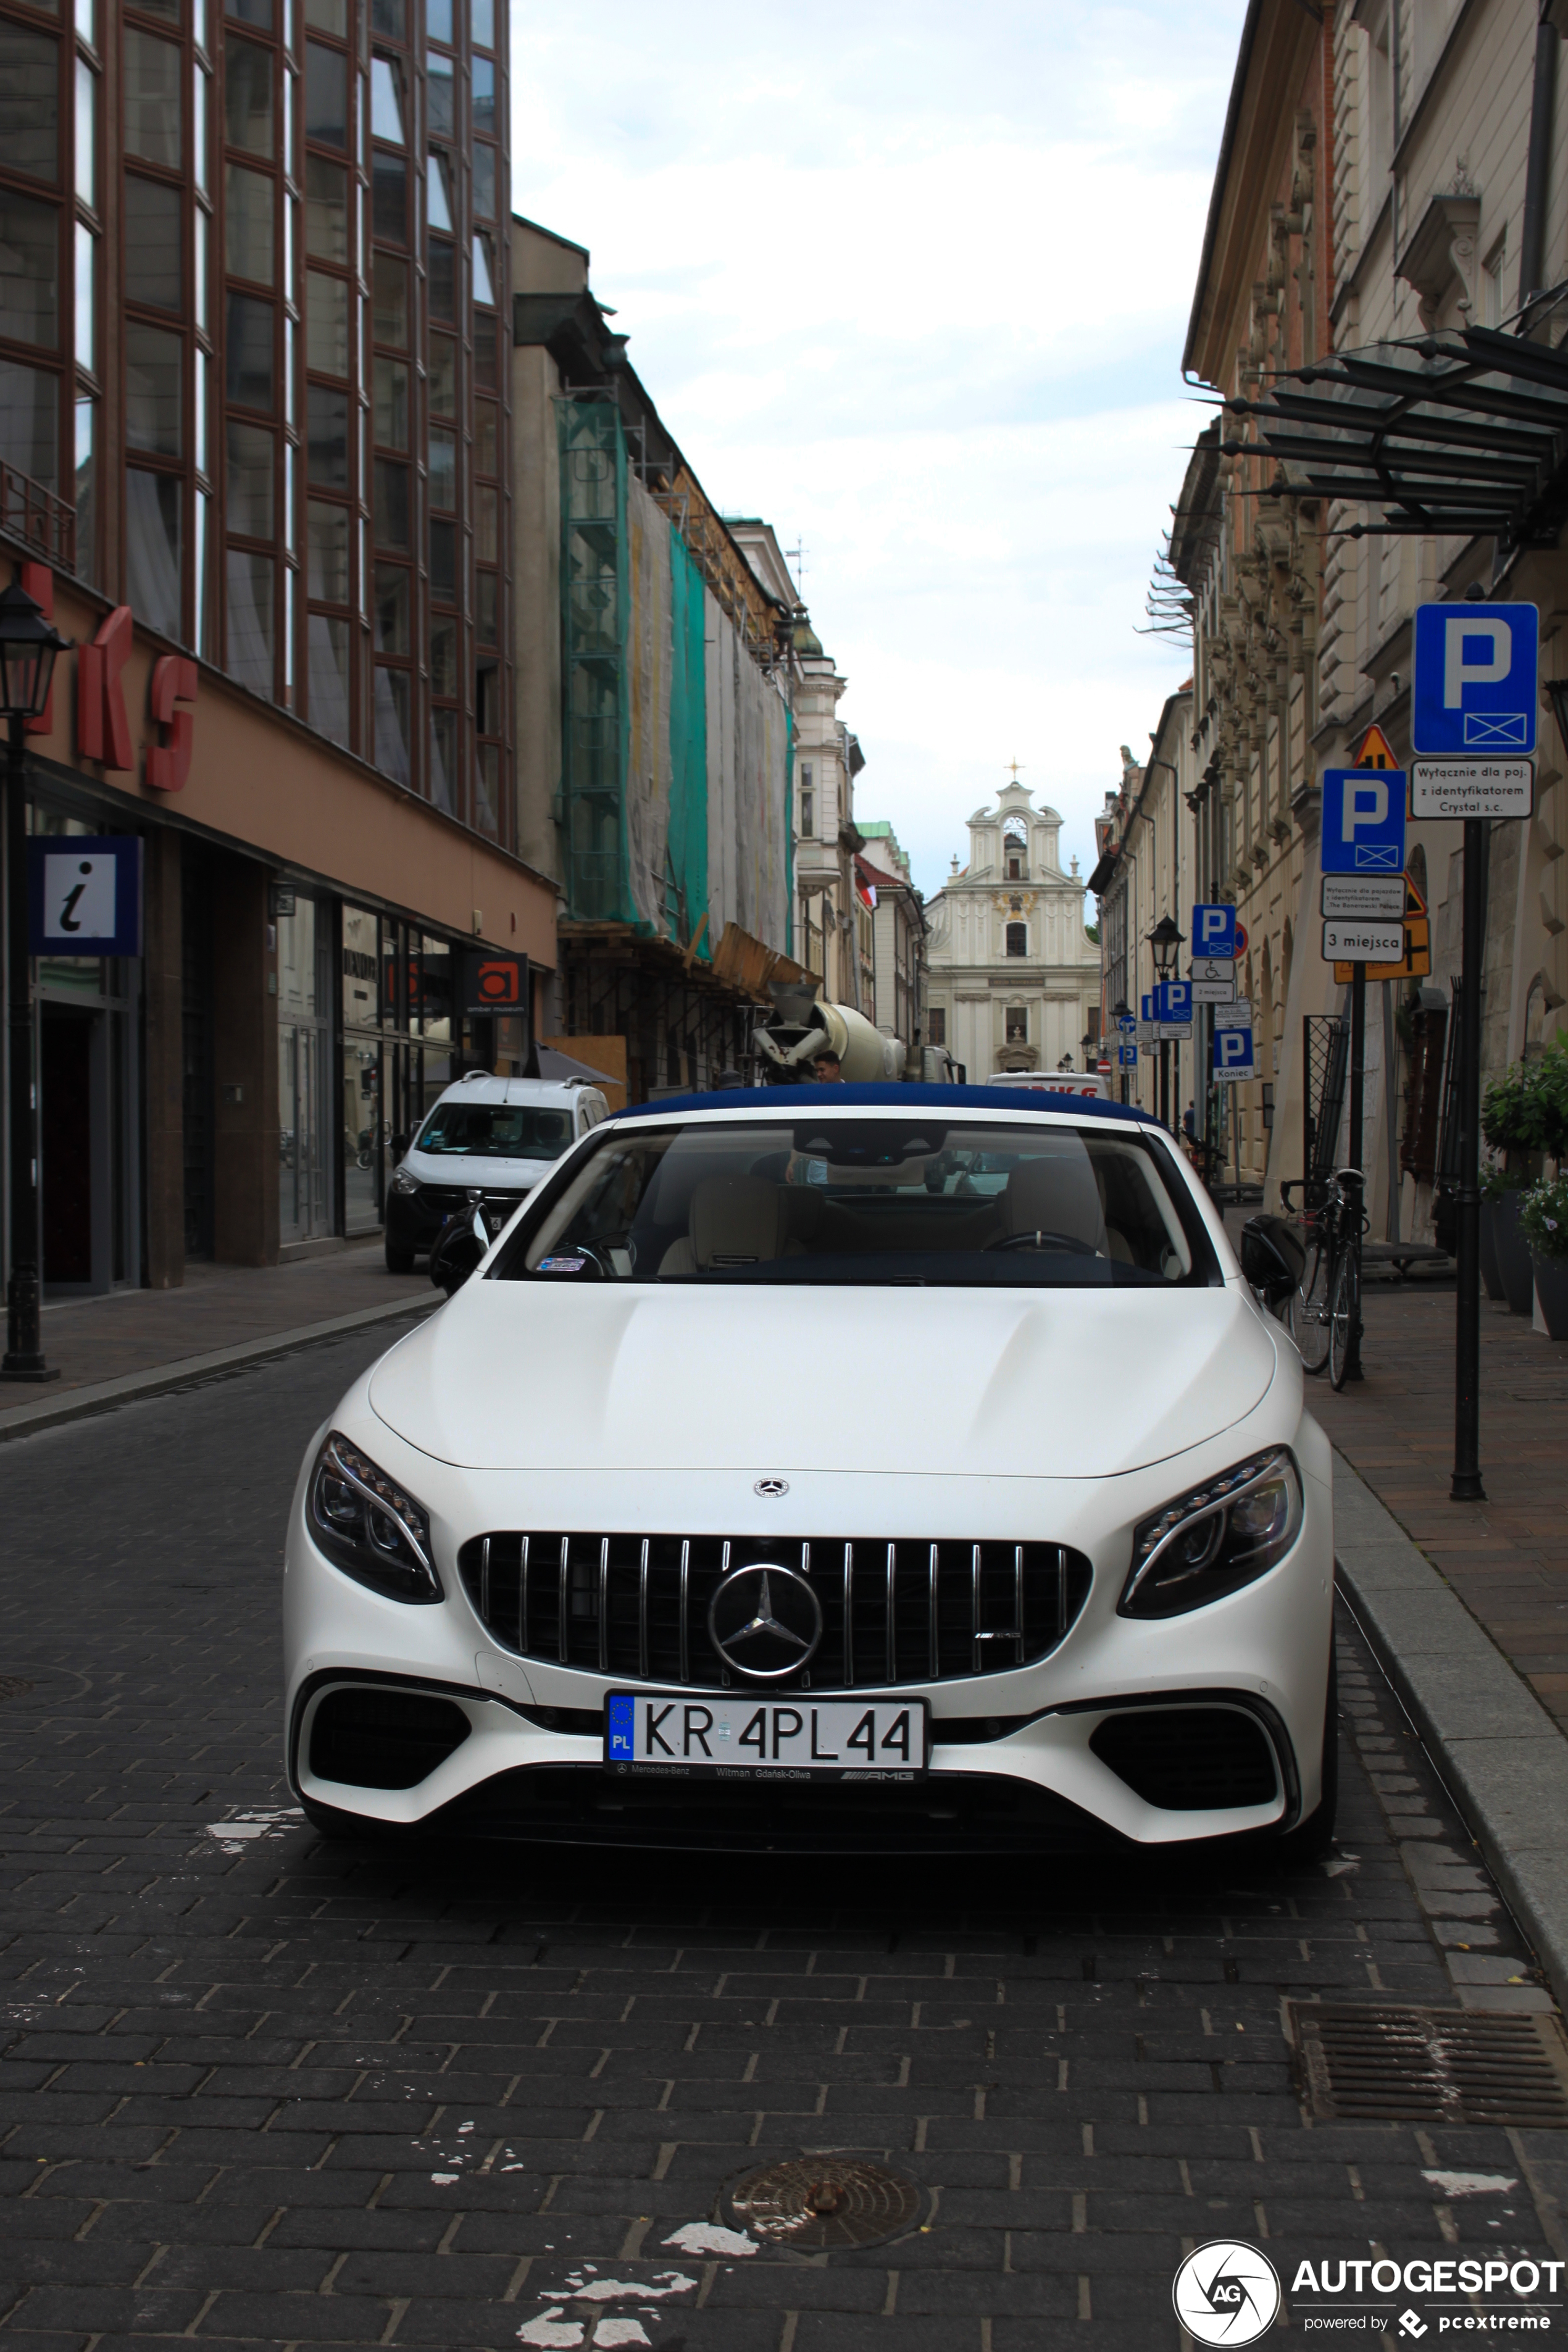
{"x": 1173, "y": 1001}
{"x": 1473, "y": 696}
{"x": 1127, "y": 1056}
{"x": 1363, "y": 821}
{"x": 1233, "y": 1053}
{"x": 1214, "y": 933}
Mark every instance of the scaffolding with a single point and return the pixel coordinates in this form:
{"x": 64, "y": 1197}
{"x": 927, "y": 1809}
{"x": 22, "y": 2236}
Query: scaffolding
{"x": 594, "y": 608}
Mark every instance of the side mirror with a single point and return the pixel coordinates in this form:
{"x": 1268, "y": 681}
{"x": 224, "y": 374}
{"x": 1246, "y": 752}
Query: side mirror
{"x": 457, "y": 1253}
{"x": 1272, "y": 1257}
{"x": 399, "y": 1146}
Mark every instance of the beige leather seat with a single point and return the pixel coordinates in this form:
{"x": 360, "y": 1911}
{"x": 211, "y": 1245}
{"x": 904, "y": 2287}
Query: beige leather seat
{"x": 734, "y": 1221}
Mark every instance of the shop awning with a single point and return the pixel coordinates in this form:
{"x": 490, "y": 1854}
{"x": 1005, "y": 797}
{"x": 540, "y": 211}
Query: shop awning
{"x": 1462, "y": 432}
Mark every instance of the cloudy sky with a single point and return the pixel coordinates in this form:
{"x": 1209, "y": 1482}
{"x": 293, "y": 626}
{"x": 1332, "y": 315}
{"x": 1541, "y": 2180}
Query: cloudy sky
{"x": 911, "y": 281}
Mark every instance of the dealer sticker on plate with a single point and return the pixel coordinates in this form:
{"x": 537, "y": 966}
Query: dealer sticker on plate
{"x": 743, "y": 1737}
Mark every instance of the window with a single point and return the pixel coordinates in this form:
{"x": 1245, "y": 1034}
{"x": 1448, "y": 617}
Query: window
{"x": 391, "y": 403}
{"x": 327, "y": 445}
{"x": 807, "y": 814}
{"x": 484, "y": 94}
{"x": 29, "y": 420}
{"x": 484, "y": 180}
{"x": 29, "y": 102}
{"x": 327, "y": 551}
{"x": 386, "y": 101}
{"x": 252, "y": 462}
{"x": 30, "y": 278}
{"x": 247, "y": 95}
{"x": 250, "y": 626}
{"x": 936, "y": 1025}
{"x": 443, "y": 375}
{"x": 247, "y": 224}
{"x": 153, "y": 548}
{"x": 440, "y": 86}
{"x": 326, "y": 323}
{"x": 153, "y": 361}
{"x": 326, "y": 96}
{"x": 389, "y": 197}
{"x": 1017, "y": 938}
{"x": 152, "y": 70}
{"x": 326, "y": 209}
{"x": 1035, "y": 1205}
{"x": 153, "y": 270}
{"x": 249, "y": 354}
{"x": 1017, "y": 1026}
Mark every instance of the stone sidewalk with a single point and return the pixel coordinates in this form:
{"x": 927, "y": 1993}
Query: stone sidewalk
{"x": 1506, "y": 1559}
{"x": 135, "y": 1341}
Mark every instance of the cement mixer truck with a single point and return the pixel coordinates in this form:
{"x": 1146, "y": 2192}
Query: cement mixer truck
{"x": 802, "y": 1027}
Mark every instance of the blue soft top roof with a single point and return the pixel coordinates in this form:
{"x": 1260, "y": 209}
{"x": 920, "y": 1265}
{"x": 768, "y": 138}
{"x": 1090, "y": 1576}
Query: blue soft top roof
{"x": 802, "y": 1102}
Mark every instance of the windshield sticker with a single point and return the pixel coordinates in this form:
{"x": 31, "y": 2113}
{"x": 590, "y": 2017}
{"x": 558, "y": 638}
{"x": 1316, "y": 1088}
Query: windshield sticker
{"x": 562, "y": 1264}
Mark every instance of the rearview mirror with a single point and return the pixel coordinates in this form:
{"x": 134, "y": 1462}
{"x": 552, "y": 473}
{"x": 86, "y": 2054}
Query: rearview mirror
{"x": 1272, "y": 1257}
{"x": 454, "y": 1257}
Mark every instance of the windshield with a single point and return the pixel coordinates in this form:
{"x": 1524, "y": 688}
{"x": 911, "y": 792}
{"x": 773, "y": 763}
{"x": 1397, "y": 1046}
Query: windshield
{"x": 481, "y": 1130}
{"x": 848, "y": 1200}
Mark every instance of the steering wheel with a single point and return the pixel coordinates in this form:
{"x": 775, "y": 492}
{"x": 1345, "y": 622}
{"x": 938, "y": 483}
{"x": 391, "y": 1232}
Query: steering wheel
{"x": 1041, "y": 1237}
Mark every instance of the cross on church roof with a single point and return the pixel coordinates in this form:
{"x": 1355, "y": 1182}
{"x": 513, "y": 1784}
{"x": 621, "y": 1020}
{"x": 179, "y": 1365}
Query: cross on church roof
{"x": 1014, "y": 768}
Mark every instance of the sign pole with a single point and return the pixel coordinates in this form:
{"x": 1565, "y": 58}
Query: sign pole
{"x": 1358, "y": 1085}
{"x": 24, "y": 1358}
{"x": 1467, "y": 1485}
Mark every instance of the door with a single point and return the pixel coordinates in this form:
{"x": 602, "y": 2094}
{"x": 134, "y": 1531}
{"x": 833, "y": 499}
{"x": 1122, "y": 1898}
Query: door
{"x": 66, "y": 1074}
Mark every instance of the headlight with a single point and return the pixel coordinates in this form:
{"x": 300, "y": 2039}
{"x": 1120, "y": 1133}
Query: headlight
{"x": 402, "y": 1181}
{"x": 367, "y": 1523}
{"x": 1216, "y": 1538}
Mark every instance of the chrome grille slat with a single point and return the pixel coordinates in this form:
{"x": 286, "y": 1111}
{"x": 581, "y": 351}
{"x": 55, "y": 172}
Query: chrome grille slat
{"x": 634, "y": 1607}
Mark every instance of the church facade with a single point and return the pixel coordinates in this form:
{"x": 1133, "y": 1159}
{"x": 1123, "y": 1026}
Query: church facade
{"x": 1014, "y": 976}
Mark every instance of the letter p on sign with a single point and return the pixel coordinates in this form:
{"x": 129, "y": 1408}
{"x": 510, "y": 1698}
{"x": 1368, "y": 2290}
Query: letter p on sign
{"x": 1366, "y": 806}
{"x": 1464, "y": 636}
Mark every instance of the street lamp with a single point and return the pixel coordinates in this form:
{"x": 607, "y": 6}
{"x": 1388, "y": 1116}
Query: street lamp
{"x": 1165, "y": 941}
{"x": 27, "y": 648}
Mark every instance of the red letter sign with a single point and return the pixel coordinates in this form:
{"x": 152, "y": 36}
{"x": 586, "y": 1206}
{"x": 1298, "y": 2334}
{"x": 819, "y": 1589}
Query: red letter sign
{"x": 173, "y": 680}
{"x": 103, "y": 728}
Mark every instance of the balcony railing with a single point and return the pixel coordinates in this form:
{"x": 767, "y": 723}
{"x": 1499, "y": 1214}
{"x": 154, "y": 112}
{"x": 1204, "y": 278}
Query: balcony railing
{"x": 34, "y": 514}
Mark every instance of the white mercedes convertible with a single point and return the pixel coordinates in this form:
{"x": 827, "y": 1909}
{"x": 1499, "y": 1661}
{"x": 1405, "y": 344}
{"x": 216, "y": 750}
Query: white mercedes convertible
{"x": 855, "y": 1469}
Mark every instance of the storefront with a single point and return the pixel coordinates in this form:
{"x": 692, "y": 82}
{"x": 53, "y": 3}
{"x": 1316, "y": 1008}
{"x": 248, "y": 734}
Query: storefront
{"x": 309, "y": 932}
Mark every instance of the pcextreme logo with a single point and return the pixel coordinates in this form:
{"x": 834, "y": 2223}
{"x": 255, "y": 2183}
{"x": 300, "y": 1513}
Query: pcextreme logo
{"x": 1225, "y": 2293}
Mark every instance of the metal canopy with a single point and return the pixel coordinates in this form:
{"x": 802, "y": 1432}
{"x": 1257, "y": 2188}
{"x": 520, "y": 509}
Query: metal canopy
{"x": 1463, "y": 432}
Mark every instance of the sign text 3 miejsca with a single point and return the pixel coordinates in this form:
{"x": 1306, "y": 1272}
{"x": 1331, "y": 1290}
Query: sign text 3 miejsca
{"x": 742, "y": 1737}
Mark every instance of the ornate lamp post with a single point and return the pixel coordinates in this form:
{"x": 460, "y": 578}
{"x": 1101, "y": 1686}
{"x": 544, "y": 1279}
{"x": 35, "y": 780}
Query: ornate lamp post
{"x": 1164, "y": 941}
{"x": 27, "y": 649}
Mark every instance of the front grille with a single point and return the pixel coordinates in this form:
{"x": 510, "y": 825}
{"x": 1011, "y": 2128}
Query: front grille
{"x": 1189, "y": 1759}
{"x": 636, "y": 1607}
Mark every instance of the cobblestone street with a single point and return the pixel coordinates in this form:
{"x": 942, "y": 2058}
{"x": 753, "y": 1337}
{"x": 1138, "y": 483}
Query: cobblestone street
{"x": 260, "y": 2088}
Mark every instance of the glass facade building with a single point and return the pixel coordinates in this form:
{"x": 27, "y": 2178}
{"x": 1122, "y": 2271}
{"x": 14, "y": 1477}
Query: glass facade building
{"x": 252, "y": 331}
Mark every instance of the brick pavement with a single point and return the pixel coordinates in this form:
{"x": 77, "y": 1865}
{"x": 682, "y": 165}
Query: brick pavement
{"x": 1506, "y": 1557}
{"x": 89, "y": 1340}
{"x": 256, "y": 2089}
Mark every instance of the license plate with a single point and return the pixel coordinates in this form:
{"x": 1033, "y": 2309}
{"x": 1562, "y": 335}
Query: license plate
{"x": 750, "y": 1739}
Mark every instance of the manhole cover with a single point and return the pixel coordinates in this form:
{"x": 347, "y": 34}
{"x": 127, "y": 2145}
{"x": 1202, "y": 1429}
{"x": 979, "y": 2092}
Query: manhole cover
{"x": 825, "y": 2202}
{"x": 1444, "y": 2065}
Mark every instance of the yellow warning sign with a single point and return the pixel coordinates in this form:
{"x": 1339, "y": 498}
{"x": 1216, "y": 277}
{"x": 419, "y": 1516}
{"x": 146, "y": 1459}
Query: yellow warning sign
{"x": 1376, "y": 751}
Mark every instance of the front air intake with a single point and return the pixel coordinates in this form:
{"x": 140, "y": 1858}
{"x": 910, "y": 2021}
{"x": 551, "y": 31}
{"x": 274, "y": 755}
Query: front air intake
{"x": 372, "y": 1738}
{"x": 1190, "y": 1759}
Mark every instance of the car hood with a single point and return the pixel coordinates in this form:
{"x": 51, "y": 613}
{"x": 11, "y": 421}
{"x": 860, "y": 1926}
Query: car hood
{"x": 1057, "y": 1384}
{"x": 486, "y": 1174}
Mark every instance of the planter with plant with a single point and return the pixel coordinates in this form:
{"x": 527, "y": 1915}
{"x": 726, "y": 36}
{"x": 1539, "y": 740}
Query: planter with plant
{"x": 1543, "y": 1221}
{"x": 1524, "y": 1115}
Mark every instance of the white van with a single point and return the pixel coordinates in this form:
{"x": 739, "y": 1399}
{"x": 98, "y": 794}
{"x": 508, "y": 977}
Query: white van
{"x": 493, "y": 1136}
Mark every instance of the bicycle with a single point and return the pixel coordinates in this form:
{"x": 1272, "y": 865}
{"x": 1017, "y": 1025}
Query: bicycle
{"x": 1325, "y": 1311}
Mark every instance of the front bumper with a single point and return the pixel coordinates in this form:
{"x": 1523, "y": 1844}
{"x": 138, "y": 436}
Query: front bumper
{"x": 1014, "y": 1761}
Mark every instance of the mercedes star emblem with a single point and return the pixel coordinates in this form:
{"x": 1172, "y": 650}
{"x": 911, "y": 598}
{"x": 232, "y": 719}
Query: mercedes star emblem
{"x": 765, "y": 1620}
{"x": 771, "y": 1487}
